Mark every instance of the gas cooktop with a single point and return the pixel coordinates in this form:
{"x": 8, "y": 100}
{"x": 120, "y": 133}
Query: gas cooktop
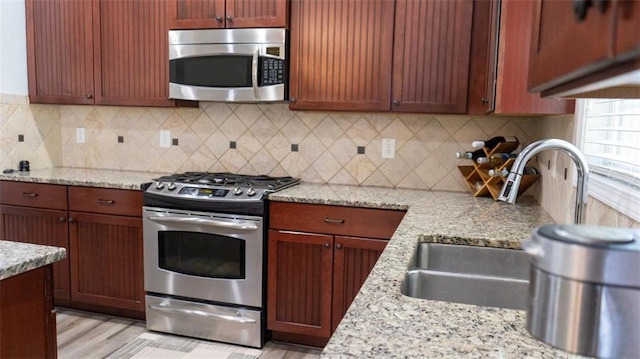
{"x": 217, "y": 186}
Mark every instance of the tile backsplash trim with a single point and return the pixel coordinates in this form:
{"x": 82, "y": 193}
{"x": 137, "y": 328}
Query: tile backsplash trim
{"x": 270, "y": 139}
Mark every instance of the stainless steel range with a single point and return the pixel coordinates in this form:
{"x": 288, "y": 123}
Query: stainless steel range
{"x": 204, "y": 255}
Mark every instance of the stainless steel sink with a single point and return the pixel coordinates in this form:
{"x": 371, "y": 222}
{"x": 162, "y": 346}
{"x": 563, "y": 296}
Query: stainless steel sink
{"x": 493, "y": 277}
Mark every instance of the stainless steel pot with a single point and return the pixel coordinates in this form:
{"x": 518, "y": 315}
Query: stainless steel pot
{"x": 585, "y": 289}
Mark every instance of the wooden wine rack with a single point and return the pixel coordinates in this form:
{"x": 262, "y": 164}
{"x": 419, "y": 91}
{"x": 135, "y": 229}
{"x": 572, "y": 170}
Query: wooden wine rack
{"x": 483, "y": 185}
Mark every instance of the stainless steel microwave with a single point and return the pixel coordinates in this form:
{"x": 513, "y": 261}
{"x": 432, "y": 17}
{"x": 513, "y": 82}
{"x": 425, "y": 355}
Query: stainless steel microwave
{"x": 231, "y": 65}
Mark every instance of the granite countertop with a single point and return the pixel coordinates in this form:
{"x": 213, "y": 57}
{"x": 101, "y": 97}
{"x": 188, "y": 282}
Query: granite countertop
{"x": 17, "y": 257}
{"x": 383, "y": 323}
{"x": 84, "y": 177}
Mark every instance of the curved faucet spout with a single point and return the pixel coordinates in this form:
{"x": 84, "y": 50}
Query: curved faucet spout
{"x": 509, "y": 191}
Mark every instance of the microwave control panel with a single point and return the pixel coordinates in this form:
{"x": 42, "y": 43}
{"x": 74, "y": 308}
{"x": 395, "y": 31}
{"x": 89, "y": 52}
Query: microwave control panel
{"x": 272, "y": 71}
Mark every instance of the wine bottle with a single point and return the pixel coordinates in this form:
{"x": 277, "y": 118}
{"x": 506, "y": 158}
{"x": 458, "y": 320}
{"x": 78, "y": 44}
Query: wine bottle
{"x": 496, "y": 158}
{"x": 493, "y": 142}
{"x": 504, "y": 172}
{"x": 470, "y": 155}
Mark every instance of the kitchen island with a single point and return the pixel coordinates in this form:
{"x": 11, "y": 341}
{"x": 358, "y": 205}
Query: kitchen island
{"x": 383, "y": 323}
{"x": 27, "y": 319}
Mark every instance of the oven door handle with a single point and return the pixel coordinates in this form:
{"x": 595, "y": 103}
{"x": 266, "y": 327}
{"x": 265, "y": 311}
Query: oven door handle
{"x": 201, "y": 313}
{"x": 245, "y": 226}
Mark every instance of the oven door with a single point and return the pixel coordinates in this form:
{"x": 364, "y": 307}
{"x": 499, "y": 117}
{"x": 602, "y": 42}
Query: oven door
{"x": 211, "y": 257}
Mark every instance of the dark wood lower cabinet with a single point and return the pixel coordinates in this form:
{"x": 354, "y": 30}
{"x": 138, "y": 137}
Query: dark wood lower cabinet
{"x": 106, "y": 261}
{"x": 41, "y": 226}
{"x": 27, "y": 318}
{"x": 312, "y": 280}
{"x": 353, "y": 260}
{"x": 102, "y": 232}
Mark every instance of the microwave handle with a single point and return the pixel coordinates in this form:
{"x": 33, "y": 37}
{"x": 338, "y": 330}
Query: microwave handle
{"x": 254, "y": 73}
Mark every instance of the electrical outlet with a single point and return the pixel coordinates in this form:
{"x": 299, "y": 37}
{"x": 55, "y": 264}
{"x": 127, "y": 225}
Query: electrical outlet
{"x": 165, "y": 138}
{"x": 80, "y": 135}
{"x": 388, "y": 148}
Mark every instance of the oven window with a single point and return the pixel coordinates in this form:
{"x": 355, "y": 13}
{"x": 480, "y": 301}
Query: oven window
{"x": 212, "y": 71}
{"x": 201, "y": 254}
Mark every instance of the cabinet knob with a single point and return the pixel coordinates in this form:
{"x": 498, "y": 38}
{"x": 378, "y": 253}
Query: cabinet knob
{"x": 62, "y": 219}
{"x": 396, "y": 103}
{"x": 485, "y": 100}
{"x": 71, "y": 220}
{"x": 327, "y": 245}
{"x": 229, "y": 18}
{"x": 219, "y": 18}
{"x": 29, "y": 194}
{"x": 292, "y": 100}
{"x": 338, "y": 246}
{"x": 88, "y": 96}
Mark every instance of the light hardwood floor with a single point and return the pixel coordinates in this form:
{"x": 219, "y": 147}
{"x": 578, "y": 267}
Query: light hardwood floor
{"x": 90, "y": 335}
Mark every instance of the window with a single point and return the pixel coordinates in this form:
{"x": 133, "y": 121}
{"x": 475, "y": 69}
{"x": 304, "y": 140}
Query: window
{"x": 609, "y": 133}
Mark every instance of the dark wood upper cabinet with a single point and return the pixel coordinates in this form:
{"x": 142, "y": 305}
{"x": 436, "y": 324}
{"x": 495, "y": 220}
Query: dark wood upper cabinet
{"x": 220, "y": 14}
{"x": 60, "y": 51}
{"x": 432, "y": 43}
{"x": 340, "y": 56}
{"x": 570, "y": 56}
{"x": 131, "y": 66}
{"x": 504, "y": 77}
{"x": 108, "y": 52}
{"x": 345, "y": 55}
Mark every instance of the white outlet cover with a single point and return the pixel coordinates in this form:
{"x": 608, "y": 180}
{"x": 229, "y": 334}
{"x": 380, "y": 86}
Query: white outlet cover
{"x": 388, "y": 148}
{"x": 165, "y": 138}
{"x": 80, "y": 135}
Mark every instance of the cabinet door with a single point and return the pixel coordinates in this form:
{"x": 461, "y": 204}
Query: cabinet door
{"x": 564, "y": 49}
{"x": 512, "y": 96}
{"x": 195, "y": 14}
{"x": 27, "y": 320}
{"x": 256, "y": 13}
{"x": 431, "y": 55}
{"x": 131, "y": 66}
{"x": 106, "y": 266}
{"x": 60, "y": 51}
{"x": 41, "y": 226}
{"x": 353, "y": 260}
{"x": 627, "y": 40}
{"x": 299, "y": 283}
{"x": 341, "y": 55}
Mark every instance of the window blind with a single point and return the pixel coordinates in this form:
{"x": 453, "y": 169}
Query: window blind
{"x": 611, "y": 139}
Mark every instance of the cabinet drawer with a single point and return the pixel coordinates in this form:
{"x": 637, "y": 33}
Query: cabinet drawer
{"x": 37, "y": 195}
{"x": 346, "y": 221}
{"x": 105, "y": 200}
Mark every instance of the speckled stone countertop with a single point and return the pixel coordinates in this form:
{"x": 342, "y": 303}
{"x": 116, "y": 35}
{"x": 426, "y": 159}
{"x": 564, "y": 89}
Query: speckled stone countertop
{"x": 84, "y": 177}
{"x": 17, "y": 257}
{"x": 383, "y": 323}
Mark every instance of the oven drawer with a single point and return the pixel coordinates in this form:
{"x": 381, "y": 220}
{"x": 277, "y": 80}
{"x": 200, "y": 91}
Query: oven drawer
{"x": 338, "y": 220}
{"x": 105, "y": 200}
{"x": 202, "y": 320}
{"x": 36, "y": 195}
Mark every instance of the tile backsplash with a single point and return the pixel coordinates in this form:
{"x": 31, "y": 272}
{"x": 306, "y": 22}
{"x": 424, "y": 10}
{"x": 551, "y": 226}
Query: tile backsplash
{"x": 322, "y": 147}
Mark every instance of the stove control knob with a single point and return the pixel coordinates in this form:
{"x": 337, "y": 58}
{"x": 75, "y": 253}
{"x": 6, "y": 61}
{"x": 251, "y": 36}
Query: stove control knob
{"x": 251, "y": 192}
{"x": 237, "y": 191}
{"x": 171, "y": 186}
{"x": 159, "y": 185}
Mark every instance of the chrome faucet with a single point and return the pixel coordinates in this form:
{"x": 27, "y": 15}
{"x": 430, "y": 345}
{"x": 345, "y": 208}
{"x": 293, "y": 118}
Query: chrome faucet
{"x": 509, "y": 191}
